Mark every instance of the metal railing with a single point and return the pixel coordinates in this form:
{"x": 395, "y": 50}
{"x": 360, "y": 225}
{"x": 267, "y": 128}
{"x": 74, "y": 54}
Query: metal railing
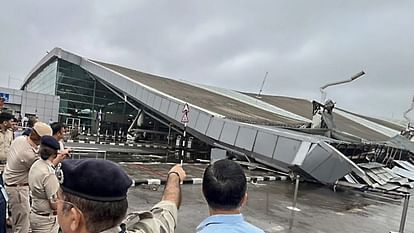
{"x": 87, "y": 152}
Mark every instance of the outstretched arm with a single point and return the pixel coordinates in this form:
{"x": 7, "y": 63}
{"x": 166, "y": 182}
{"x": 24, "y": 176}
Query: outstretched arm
{"x": 172, "y": 191}
{"x": 164, "y": 212}
{"x": 61, "y": 156}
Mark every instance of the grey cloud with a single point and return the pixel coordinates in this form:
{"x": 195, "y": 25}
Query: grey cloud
{"x": 231, "y": 44}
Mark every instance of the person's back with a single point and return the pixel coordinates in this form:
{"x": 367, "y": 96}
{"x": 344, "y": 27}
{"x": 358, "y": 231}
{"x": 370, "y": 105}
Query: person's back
{"x": 21, "y": 157}
{"x": 226, "y": 223}
{"x": 224, "y": 188}
{"x": 30, "y": 123}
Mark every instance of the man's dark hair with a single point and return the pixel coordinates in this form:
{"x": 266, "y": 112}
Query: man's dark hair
{"x": 14, "y": 119}
{"x": 27, "y": 132}
{"x": 45, "y": 152}
{"x": 224, "y": 185}
{"x": 56, "y": 127}
{"x": 5, "y": 116}
{"x": 98, "y": 215}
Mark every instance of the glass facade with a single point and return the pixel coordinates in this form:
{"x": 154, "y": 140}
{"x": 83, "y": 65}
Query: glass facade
{"x": 45, "y": 81}
{"x": 82, "y": 97}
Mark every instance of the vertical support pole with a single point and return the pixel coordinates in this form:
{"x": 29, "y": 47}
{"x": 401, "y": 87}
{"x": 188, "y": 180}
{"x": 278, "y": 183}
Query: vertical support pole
{"x": 94, "y": 107}
{"x": 184, "y": 120}
{"x": 169, "y": 135}
{"x": 404, "y": 213}
{"x": 168, "y": 142}
{"x": 99, "y": 125}
{"x": 295, "y": 195}
{"x": 184, "y": 143}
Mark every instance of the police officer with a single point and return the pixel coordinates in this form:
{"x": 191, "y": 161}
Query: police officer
{"x": 23, "y": 153}
{"x": 93, "y": 198}
{"x": 44, "y": 186}
{"x": 6, "y": 137}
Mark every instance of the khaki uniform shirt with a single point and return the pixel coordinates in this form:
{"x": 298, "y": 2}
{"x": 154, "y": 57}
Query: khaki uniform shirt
{"x": 43, "y": 185}
{"x": 6, "y": 139}
{"x": 21, "y": 157}
{"x": 161, "y": 218}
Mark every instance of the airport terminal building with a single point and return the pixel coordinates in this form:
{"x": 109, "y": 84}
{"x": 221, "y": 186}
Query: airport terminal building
{"x": 82, "y": 97}
{"x": 104, "y": 97}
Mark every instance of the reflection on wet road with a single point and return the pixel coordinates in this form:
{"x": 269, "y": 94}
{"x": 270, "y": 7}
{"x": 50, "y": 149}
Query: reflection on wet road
{"x": 322, "y": 210}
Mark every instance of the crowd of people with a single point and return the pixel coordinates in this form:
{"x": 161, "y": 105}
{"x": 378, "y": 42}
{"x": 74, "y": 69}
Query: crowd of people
{"x": 46, "y": 192}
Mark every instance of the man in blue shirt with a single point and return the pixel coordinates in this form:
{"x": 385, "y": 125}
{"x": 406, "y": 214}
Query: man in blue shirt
{"x": 224, "y": 188}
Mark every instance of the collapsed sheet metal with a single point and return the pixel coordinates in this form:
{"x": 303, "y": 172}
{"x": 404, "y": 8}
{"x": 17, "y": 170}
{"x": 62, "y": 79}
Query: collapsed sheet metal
{"x": 371, "y": 165}
{"x": 314, "y": 161}
{"x": 351, "y": 185}
{"x": 376, "y": 178}
{"x": 402, "y": 182}
{"x": 403, "y": 190}
{"x": 326, "y": 164}
{"x": 403, "y": 173}
{"x": 351, "y": 179}
{"x": 383, "y": 177}
{"x": 389, "y": 187}
{"x": 402, "y": 142}
{"x": 405, "y": 164}
{"x": 368, "y": 181}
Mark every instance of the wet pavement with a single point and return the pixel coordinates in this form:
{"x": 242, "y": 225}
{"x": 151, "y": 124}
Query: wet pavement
{"x": 322, "y": 210}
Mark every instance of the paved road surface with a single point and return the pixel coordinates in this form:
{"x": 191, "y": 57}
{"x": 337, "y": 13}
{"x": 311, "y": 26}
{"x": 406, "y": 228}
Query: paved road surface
{"x": 322, "y": 210}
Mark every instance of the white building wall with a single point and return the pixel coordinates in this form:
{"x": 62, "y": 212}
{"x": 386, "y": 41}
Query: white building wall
{"x": 45, "y": 107}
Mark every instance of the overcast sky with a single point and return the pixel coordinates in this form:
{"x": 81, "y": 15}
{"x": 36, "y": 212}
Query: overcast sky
{"x": 231, "y": 44}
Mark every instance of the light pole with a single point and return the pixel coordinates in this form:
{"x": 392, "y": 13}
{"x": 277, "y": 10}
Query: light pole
{"x": 261, "y": 87}
{"x": 322, "y": 89}
{"x": 409, "y": 110}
